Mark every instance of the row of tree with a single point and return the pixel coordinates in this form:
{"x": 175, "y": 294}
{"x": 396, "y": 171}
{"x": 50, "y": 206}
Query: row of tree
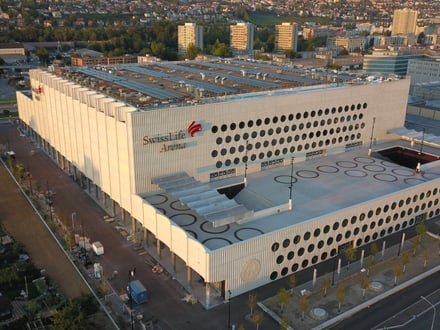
{"x": 158, "y": 39}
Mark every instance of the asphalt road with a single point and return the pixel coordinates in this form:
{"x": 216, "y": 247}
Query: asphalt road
{"x": 22, "y": 222}
{"x": 389, "y": 309}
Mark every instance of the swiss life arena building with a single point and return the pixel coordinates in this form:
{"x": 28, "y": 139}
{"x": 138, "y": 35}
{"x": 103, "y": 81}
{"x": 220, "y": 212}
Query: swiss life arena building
{"x": 239, "y": 173}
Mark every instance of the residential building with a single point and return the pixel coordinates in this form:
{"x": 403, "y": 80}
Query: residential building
{"x": 187, "y": 35}
{"x": 286, "y": 37}
{"x": 349, "y": 43}
{"x": 242, "y": 38}
{"x": 404, "y": 21}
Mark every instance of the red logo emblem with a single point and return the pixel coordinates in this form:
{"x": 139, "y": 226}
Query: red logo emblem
{"x": 193, "y": 128}
{"x": 40, "y": 90}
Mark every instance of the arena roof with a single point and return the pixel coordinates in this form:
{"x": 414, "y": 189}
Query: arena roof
{"x": 171, "y": 84}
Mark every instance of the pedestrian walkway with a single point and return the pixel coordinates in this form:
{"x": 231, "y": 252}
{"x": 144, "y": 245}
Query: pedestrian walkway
{"x": 389, "y": 273}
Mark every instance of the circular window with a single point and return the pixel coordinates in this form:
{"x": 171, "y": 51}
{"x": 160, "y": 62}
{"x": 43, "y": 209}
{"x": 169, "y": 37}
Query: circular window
{"x": 305, "y": 263}
{"x": 336, "y": 226}
{"x": 320, "y": 244}
{"x": 286, "y": 243}
{"x": 317, "y": 232}
{"x": 310, "y": 248}
{"x": 294, "y": 267}
{"x": 297, "y": 239}
{"x": 290, "y": 255}
{"x": 307, "y": 236}
{"x": 326, "y": 229}
{"x": 344, "y": 223}
{"x": 284, "y": 271}
{"x": 274, "y": 276}
{"x": 301, "y": 252}
{"x": 280, "y": 259}
{"x": 214, "y": 129}
{"x": 224, "y": 128}
{"x": 250, "y": 123}
{"x": 275, "y": 247}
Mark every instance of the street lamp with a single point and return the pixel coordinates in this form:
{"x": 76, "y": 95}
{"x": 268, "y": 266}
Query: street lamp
{"x": 423, "y": 140}
{"x": 433, "y": 307}
{"x": 371, "y": 137}
{"x": 229, "y": 309}
{"x": 131, "y": 274}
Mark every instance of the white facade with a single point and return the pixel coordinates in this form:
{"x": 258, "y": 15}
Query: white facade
{"x": 121, "y": 150}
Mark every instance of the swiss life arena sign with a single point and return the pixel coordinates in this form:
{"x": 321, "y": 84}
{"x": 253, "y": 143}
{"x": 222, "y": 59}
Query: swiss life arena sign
{"x": 173, "y": 140}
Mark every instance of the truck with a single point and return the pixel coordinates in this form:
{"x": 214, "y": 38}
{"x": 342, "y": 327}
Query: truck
{"x": 98, "y": 248}
{"x": 137, "y": 292}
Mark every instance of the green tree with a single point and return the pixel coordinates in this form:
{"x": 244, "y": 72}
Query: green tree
{"x": 258, "y": 319}
{"x": 397, "y": 272}
{"x": 192, "y": 51}
{"x": 370, "y": 263}
{"x": 220, "y": 49}
{"x": 405, "y": 260}
{"x": 374, "y": 249}
{"x": 304, "y": 304}
{"x": 8, "y": 275}
{"x": 421, "y": 230}
{"x": 350, "y": 255}
{"x": 365, "y": 282}
{"x": 283, "y": 298}
{"x": 252, "y": 302}
{"x": 292, "y": 282}
{"x": 70, "y": 317}
{"x": 425, "y": 258}
{"x": 326, "y": 283}
{"x": 340, "y": 296}
{"x": 43, "y": 56}
{"x": 284, "y": 323}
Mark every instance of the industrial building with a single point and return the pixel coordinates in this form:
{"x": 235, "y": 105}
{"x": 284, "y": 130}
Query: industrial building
{"x": 238, "y": 172}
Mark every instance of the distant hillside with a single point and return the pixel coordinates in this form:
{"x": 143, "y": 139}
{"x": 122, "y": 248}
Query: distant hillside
{"x": 267, "y": 19}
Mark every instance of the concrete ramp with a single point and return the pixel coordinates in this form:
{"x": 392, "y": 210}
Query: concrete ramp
{"x": 203, "y": 199}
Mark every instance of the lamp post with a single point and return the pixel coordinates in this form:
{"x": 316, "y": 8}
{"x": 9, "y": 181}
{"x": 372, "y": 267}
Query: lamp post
{"x": 131, "y": 274}
{"x": 423, "y": 140}
{"x": 229, "y": 309}
{"x": 371, "y": 137}
{"x": 433, "y": 308}
{"x": 291, "y": 184}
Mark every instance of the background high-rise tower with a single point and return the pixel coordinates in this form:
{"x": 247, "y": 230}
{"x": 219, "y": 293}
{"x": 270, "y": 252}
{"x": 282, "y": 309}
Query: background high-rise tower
{"x": 242, "y": 38}
{"x": 189, "y": 34}
{"x": 286, "y": 36}
{"x": 404, "y": 21}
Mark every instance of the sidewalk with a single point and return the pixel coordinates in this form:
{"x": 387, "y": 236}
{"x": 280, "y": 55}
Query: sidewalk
{"x": 322, "y": 309}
